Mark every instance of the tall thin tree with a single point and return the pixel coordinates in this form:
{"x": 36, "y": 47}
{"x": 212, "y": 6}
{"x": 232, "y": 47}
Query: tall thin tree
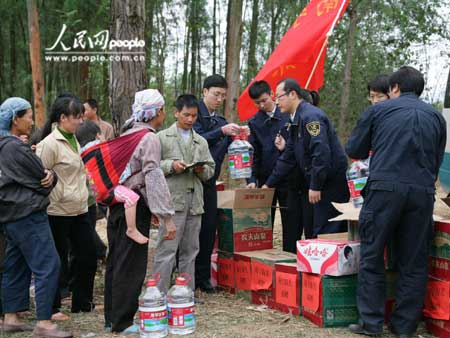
{"x": 234, "y": 38}
{"x": 35, "y": 59}
{"x": 126, "y": 77}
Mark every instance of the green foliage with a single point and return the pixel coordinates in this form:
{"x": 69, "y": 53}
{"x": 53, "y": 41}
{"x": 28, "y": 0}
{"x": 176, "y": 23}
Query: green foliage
{"x": 386, "y": 33}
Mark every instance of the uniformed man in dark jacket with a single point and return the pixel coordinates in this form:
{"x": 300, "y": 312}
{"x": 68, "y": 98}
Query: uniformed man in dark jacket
{"x": 314, "y": 146}
{"x": 407, "y": 137}
{"x": 216, "y": 130}
{"x": 267, "y": 127}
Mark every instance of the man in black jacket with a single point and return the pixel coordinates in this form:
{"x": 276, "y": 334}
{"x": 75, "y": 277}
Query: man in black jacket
{"x": 407, "y": 137}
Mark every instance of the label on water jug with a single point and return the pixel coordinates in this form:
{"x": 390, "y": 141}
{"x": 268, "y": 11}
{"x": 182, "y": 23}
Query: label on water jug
{"x": 356, "y": 185}
{"x": 152, "y": 318}
{"x": 240, "y": 161}
{"x": 181, "y": 315}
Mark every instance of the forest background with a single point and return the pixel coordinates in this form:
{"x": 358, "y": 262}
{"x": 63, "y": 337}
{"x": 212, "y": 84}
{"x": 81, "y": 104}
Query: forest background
{"x": 185, "y": 41}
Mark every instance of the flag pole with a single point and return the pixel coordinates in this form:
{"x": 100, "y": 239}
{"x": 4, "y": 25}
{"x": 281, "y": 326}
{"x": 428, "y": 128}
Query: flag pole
{"x": 325, "y": 43}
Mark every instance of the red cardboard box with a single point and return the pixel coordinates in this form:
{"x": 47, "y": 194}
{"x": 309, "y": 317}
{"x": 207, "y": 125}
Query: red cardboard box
{"x": 328, "y": 257}
{"x": 243, "y": 272}
{"x": 260, "y": 298}
{"x": 288, "y": 288}
{"x": 440, "y": 328}
{"x": 437, "y": 300}
{"x": 439, "y": 268}
{"x": 225, "y": 271}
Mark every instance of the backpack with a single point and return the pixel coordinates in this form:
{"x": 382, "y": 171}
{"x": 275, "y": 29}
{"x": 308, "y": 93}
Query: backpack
{"x": 106, "y": 161}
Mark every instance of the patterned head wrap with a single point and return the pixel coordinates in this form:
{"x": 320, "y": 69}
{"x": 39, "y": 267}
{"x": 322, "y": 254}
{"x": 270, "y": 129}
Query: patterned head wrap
{"x": 8, "y": 111}
{"x": 146, "y": 103}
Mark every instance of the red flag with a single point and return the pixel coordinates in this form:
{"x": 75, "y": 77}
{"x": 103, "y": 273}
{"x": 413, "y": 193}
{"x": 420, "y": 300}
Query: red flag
{"x": 300, "y": 53}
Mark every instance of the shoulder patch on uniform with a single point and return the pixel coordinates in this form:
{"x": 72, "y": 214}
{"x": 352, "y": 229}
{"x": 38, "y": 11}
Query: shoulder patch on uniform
{"x": 313, "y": 128}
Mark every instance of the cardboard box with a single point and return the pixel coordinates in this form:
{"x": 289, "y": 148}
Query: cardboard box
{"x": 439, "y": 328}
{"x": 245, "y": 222}
{"x": 225, "y": 272}
{"x": 437, "y": 300}
{"x": 329, "y": 301}
{"x": 440, "y": 246}
{"x": 328, "y": 257}
{"x": 288, "y": 291}
{"x": 439, "y": 268}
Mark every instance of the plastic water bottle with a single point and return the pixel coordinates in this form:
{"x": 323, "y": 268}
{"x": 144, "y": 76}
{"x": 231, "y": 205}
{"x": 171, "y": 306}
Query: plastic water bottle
{"x": 357, "y": 176}
{"x": 152, "y": 311}
{"x": 240, "y": 156}
{"x": 180, "y": 303}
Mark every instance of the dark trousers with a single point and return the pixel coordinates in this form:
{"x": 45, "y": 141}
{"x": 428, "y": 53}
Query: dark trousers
{"x": 207, "y": 234}
{"x": 402, "y": 213}
{"x": 2, "y": 262}
{"x": 100, "y": 247}
{"x": 316, "y": 217}
{"x": 30, "y": 249}
{"x": 126, "y": 266}
{"x": 76, "y": 231}
{"x": 292, "y": 221}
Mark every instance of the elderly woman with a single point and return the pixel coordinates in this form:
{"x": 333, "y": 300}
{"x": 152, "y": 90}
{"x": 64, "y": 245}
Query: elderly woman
{"x": 127, "y": 260}
{"x": 24, "y": 189}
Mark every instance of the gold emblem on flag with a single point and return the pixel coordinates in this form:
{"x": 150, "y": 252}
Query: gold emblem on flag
{"x": 303, "y": 13}
{"x": 313, "y": 128}
{"x": 282, "y": 69}
{"x": 326, "y": 6}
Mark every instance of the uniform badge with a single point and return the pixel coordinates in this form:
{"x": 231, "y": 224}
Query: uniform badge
{"x": 313, "y": 128}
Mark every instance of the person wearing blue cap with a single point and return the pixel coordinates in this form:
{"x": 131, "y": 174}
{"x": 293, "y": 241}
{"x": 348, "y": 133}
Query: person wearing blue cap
{"x": 24, "y": 188}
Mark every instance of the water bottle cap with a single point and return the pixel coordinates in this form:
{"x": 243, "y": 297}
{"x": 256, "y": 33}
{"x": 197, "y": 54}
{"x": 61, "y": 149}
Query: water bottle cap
{"x": 183, "y": 279}
{"x": 153, "y": 280}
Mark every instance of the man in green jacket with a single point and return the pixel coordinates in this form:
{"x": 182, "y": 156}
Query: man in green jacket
{"x": 186, "y": 162}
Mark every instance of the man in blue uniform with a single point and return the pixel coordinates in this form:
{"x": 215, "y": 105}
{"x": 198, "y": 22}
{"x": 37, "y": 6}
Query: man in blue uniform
{"x": 266, "y": 127}
{"x": 215, "y": 129}
{"x": 315, "y": 147}
{"x": 408, "y": 138}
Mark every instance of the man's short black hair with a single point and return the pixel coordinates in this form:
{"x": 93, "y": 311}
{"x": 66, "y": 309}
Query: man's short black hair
{"x": 379, "y": 84}
{"x": 186, "y": 100}
{"x": 215, "y": 81}
{"x": 92, "y": 103}
{"x": 408, "y": 79}
{"x": 258, "y": 88}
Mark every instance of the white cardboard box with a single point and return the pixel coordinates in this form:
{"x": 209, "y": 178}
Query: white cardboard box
{"x": 328, "y": 257}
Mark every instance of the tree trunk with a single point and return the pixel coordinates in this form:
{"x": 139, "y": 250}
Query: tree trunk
{"x": 345, "y": 96}
{"x": 214, "y": 37}
{"x": 149, "y": 31}
{"x": 184, "y": 82}
{"x": 13, "y": 57}
{"x": 194, "y": 26}
{"x": 84, "y": 80}
{"x": 36, "y": 67}
{"x": 2, "y": 64}
{"x": 234, "y": 37}
{"x": 251, "y": 65}
{"x": 126, "y": 78}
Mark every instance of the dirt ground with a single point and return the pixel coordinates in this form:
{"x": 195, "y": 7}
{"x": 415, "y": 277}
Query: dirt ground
{"x": 224, "y": 315}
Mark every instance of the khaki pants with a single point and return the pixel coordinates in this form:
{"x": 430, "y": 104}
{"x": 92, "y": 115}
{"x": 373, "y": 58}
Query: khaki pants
{"x": 187, "y": 241}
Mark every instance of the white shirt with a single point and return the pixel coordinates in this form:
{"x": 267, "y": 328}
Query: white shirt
{"x": 185, "y": 134}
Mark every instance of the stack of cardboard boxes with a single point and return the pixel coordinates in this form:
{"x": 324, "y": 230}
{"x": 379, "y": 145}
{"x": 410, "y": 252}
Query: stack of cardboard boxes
{"x": 247, "y": 264}
{"x": 329, "y": 280}
{"x": 437, "y": 301}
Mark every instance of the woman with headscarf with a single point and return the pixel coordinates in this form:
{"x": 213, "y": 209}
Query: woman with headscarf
{"x": 24, "y": 189}
{"x": 126, "y": 264}
{"x": 68, "y": 209}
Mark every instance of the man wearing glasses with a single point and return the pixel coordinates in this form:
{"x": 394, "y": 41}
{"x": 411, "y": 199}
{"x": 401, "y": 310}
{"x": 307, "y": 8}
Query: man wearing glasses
{"x": 314, "y": 146}
{"x": 215, "y": 129}
{"x": 268, "y": 128}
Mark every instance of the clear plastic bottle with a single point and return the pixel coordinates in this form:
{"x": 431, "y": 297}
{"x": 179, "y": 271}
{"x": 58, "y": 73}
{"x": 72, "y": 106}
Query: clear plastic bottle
{"x": 180, "y": 304}
{"x": 357, "y": 176}
{"x": 240, "y": 156}
{"x": 152, "y": 311}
